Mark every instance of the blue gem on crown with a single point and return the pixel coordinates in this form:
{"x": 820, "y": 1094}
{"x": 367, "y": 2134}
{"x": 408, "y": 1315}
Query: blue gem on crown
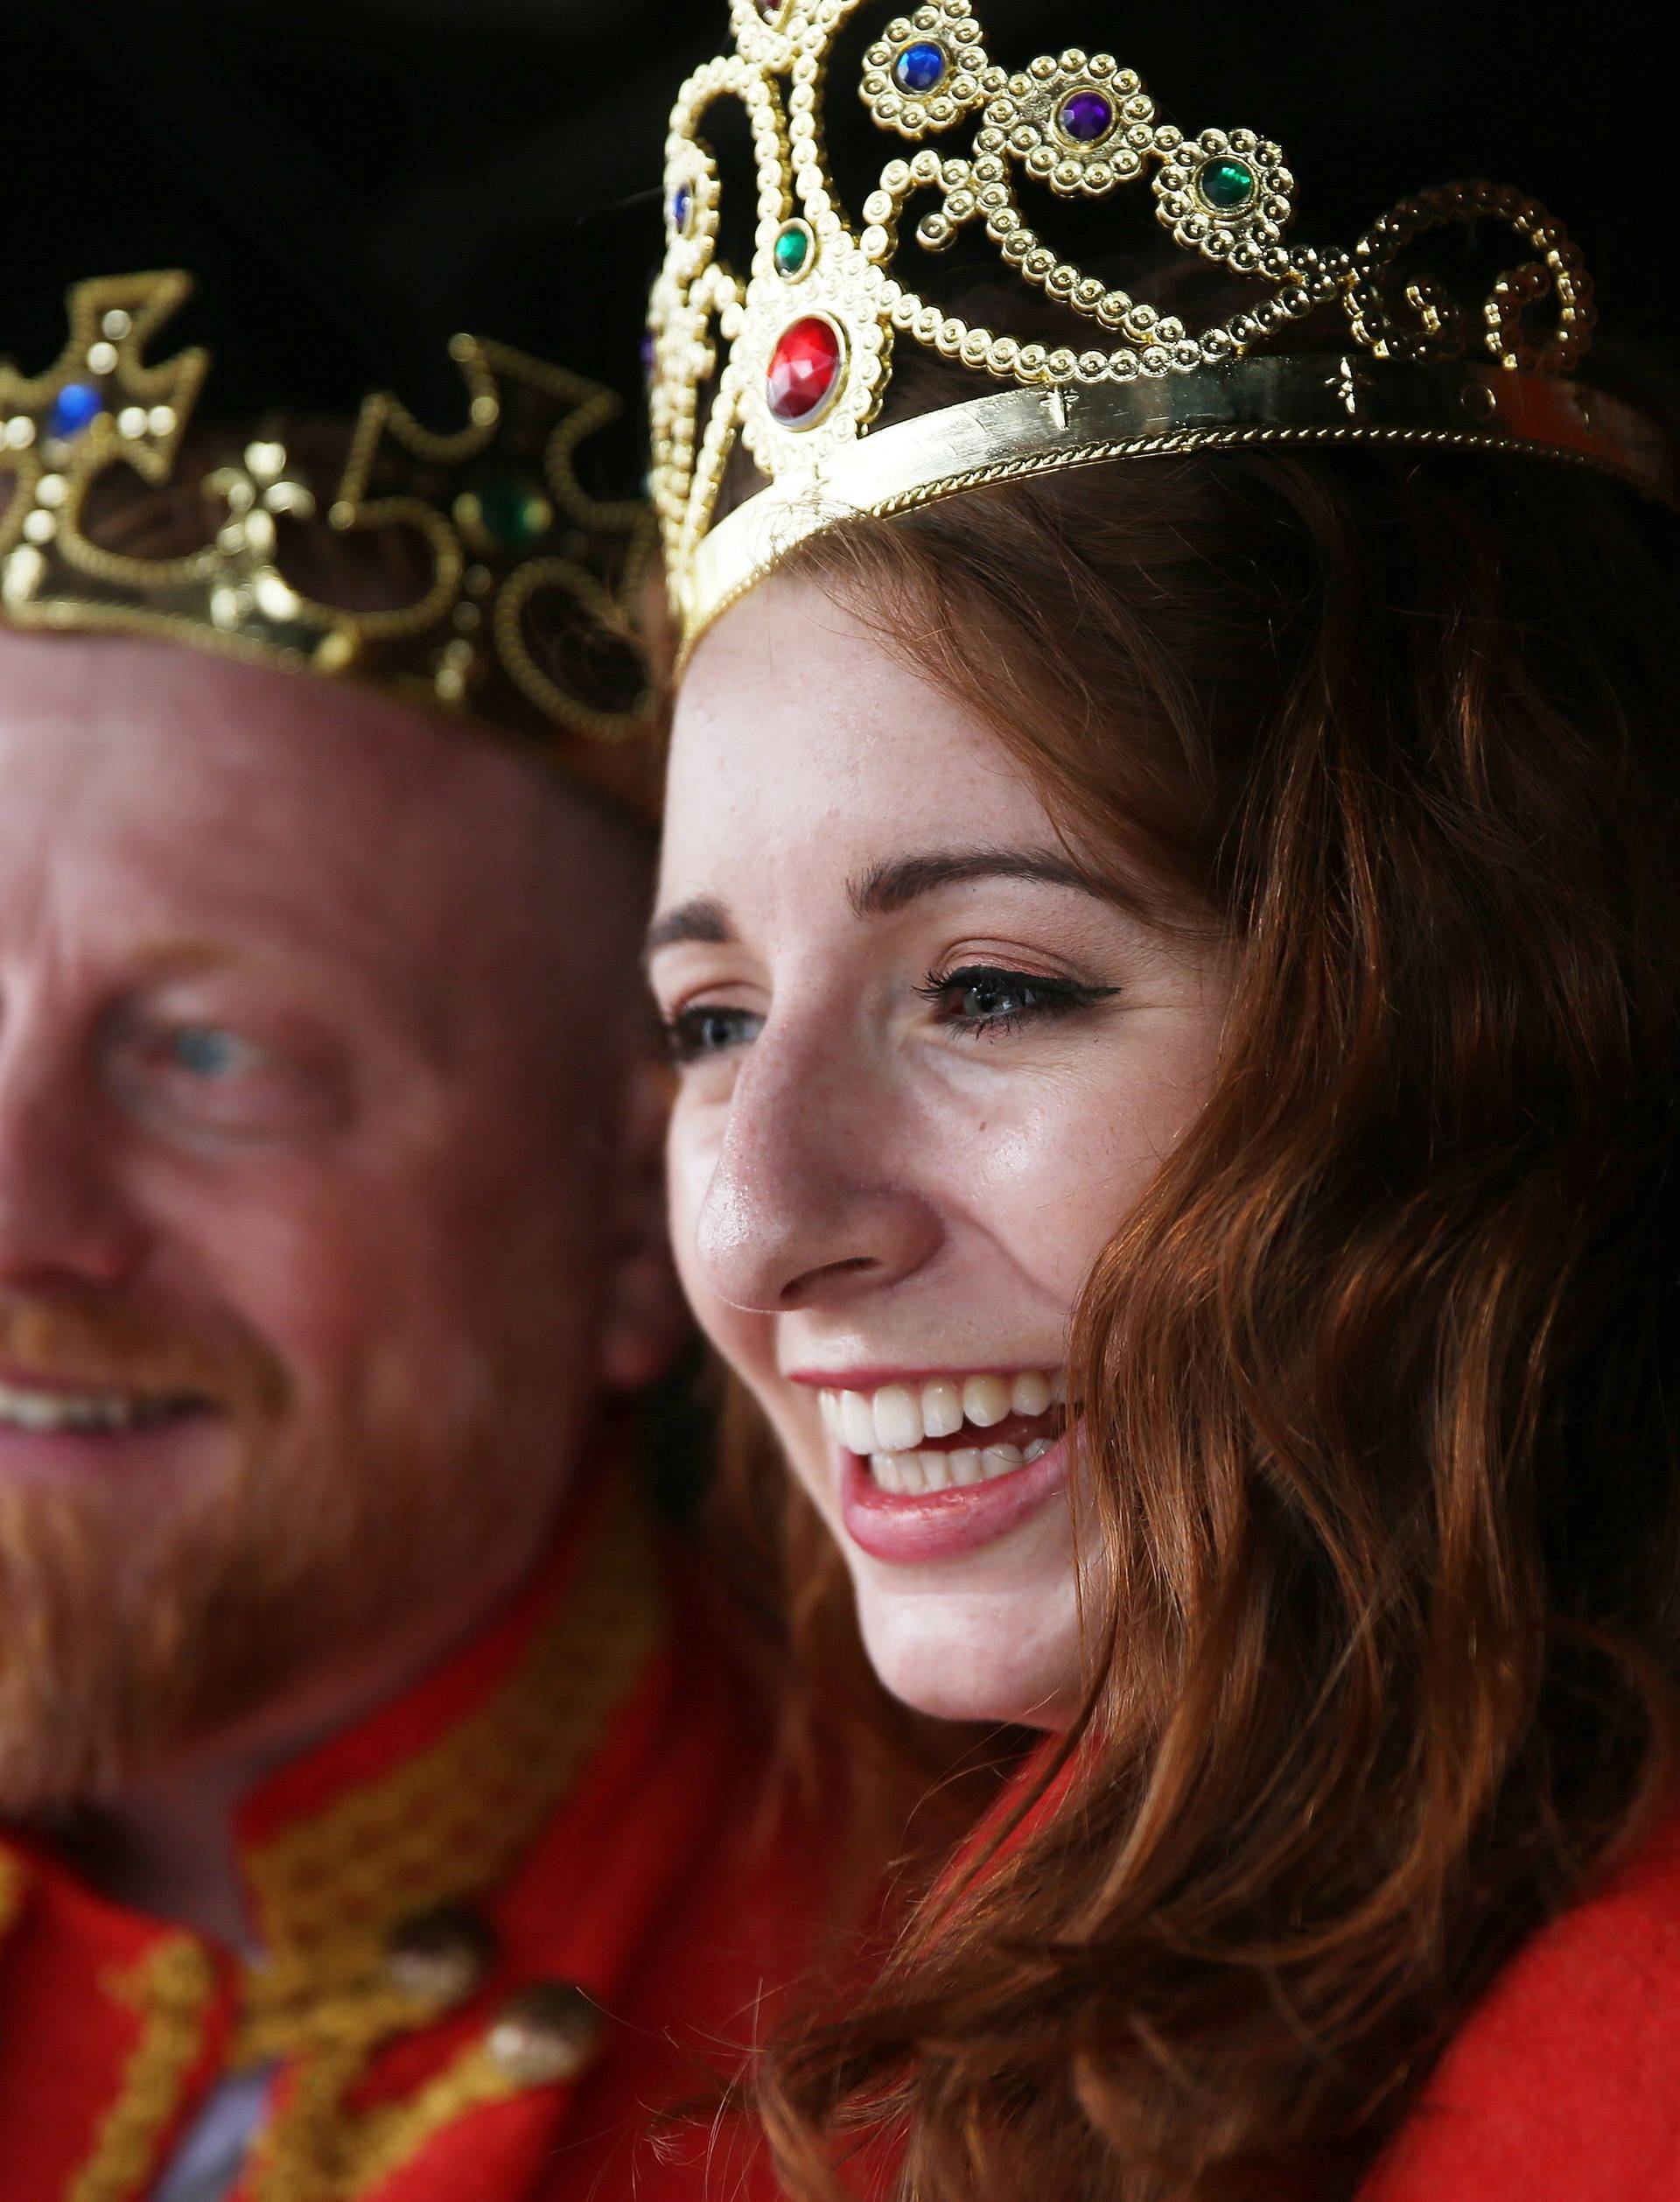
{"x": 75, "y": 408}
{"x": 919, "y": 67}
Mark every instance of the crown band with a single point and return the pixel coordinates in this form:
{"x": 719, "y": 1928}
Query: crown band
{"x": 1020, "y": 434}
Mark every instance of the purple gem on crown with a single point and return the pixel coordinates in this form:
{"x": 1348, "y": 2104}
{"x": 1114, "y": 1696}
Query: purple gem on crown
{"x": 1086, "y": 116}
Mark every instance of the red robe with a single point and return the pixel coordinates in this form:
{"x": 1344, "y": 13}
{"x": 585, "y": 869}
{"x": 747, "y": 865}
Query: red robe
{"x": 1562, "y": 2085}
{"x": 503, "y": 1918}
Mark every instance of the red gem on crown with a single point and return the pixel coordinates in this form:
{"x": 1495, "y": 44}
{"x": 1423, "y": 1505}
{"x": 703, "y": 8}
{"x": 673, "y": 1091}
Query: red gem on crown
{"x": 805, "y": 370}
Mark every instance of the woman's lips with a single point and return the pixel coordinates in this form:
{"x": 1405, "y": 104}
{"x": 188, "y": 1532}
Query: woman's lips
{"x": 919, "y": 1528}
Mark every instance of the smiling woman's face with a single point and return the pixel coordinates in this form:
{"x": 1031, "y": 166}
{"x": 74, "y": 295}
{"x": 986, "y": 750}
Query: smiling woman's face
{"x": 925, "y": 1071}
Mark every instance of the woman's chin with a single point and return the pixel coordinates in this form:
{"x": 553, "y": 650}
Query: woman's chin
{"x": 1006, "y": 1658}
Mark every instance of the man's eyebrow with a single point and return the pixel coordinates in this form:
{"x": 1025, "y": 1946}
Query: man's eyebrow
{"x": 888, "y": 886}
{"x": 701, "y": 920}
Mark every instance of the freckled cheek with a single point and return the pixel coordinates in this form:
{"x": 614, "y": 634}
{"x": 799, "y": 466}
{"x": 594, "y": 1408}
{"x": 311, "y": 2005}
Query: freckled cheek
{"x": 1055, "y": 1182}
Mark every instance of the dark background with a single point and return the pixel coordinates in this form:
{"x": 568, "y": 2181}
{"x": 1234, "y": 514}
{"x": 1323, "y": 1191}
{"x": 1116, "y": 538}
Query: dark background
{"x": 352, "y": 182}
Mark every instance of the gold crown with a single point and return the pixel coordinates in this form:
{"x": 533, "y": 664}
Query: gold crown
{"x": 503, "y": 543}
{"x": 801, "y": 351}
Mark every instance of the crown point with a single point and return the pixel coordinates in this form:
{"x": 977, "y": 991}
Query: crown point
{"x": 805, "y": 371}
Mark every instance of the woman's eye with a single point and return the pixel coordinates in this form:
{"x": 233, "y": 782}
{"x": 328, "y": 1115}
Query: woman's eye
{"x": 709, "y": 1028}
{"x": 984, "y": 999}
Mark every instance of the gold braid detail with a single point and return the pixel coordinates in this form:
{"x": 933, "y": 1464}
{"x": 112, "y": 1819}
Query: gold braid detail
{"x": 449, "y": 1823}
{"x": 12, "y": 1882}
{"x": 390, "y": 2134}
{"x": 172, "y": 1988}
{"x": 300, "y": 2155}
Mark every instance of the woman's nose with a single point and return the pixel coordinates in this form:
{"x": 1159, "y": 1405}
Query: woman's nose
{"x": 813, "y": 1200}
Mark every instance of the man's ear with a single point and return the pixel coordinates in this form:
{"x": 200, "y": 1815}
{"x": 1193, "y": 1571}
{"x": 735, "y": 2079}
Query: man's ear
{"x": 646, "y": 1323}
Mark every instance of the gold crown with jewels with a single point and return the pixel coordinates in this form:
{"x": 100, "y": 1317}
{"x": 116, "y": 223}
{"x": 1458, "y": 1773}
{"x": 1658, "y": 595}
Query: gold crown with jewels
{"x": 800, "y": 351}
{"x": 518, "y": 588}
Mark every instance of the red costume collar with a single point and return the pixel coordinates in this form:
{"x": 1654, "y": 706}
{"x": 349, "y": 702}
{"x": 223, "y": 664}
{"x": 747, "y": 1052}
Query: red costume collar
{"x": 462, "y": 1899}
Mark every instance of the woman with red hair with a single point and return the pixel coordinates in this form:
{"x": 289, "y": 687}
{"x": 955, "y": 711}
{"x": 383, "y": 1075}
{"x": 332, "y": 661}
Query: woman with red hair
{"x": 1169, "y": 940}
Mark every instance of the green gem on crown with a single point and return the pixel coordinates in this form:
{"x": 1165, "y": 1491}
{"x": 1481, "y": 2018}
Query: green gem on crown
{"x": 1227, "y": 185}
{"x": 795, "y": 249}
{"x": 510, "y": 511}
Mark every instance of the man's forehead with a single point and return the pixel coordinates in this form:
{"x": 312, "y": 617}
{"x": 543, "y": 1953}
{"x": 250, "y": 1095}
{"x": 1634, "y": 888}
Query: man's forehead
{"x": 292, "y": 799}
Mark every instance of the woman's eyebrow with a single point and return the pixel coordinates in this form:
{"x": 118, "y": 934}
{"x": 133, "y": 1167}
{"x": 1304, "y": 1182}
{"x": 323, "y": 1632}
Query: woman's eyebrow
{"x": 700, "y": 920}
{"x": 886, "y": 887}
{"x": 889, "y": 886}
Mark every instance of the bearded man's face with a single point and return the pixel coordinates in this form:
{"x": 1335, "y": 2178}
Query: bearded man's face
{"x": 312, "y": 1245}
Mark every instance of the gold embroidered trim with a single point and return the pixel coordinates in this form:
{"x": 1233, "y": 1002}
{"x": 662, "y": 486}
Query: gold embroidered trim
{"x": 12, "y": 1882}
{"x": 303, "y": 2154}
{"x": 392, "y": 2134}
{"x": 172, "y": 1988}
{"x": 449, "y": 1823}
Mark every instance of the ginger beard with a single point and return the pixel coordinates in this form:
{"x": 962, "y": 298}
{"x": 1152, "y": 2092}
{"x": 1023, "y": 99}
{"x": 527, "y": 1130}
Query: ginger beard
{"x": 136, "y": 1621}
{"x": 323, "y": 1220}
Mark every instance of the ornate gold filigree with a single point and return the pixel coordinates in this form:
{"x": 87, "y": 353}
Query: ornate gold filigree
{"x": 1083, "y": 126}
{"x": 495, "y": 509}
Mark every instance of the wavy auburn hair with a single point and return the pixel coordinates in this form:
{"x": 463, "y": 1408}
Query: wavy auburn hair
{"x": 1374, "y": 1386}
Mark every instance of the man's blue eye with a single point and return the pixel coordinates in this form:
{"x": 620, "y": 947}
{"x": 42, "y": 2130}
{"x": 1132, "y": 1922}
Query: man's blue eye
{"x": 206, "y": 1051}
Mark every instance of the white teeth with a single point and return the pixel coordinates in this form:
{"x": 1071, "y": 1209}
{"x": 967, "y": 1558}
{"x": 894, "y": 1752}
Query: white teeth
{"x": 24, "y": 1409}
{"x": 985, "y": 1401}
{"x": 941, "y": 1408}
{"x": 856, "y": 1422}
{"x": 1059, "y": 1388}
{"x": 1031, "y": 1393}
{"x": 893, "y": 1426}
{"x": 914, "y": 1473}
{"x": 898, "y": 1419}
